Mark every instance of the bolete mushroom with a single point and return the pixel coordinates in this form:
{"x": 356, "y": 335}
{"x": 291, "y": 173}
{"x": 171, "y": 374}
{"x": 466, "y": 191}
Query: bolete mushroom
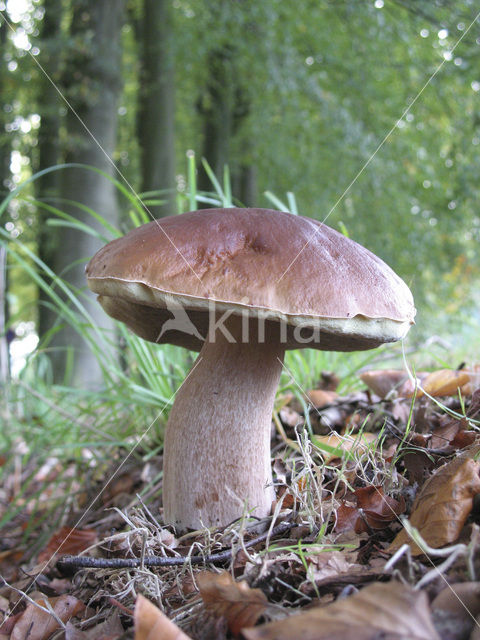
{"x": 241, "y": 286}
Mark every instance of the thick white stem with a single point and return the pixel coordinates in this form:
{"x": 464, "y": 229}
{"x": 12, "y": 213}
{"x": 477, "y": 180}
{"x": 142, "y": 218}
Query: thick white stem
{"x": 217, "y": 443}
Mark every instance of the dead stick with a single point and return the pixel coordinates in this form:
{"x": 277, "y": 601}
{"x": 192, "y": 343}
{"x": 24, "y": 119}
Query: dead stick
{"x": 67, "y": 563}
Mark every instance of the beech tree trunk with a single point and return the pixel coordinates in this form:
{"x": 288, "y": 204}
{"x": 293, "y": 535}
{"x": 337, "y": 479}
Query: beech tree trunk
{"x": 216, "y": 106}
{"x": 5, "y": 153}
{"x": 5, "y": 148}
{"x": 156, "y": 109}
{"x": 224, "y": 105}
{"x": 49, "y": 103}
{"x": 92, "y": 82}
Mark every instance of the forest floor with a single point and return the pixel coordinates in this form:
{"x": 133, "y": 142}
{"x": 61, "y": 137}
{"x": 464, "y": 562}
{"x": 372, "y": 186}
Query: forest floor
{"x": 374, "y": 533}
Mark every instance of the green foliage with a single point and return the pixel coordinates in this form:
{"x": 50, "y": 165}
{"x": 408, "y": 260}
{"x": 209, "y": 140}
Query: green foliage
{"x": 326, "y": 83}
{"x": 322, "y": 87}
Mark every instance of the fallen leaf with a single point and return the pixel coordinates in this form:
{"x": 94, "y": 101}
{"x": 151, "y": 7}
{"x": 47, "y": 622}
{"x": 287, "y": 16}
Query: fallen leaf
{"x": 444, "y": 382}
{"x": 383, "y": 381}
{"x": 475, "y": 635}
{"x": 121, "y": 485}
{"x": 455, "y": 608}
{"x": 290, "y": 417}
{"x": 418, "y": 464}
{"x": 459, "y": 597}
{"x": 7, "y": 625}
{"x": 109, "y": 629}
{"x": 443, "y": 504}
{"x": 393, "y": 610}
{"x": 236, "y": 601}
{"x": 151, "y": 624}
{"x": 474, "y": 383}
{"x": 378, "y": 508}
{"x": 446, "y": 430}
{"x": 329, "y": 381}
{"x": 38, "y": 624}
{"x": 10, "y": 561}
{"x": 320, "y": 397}
{"x": 464, "y": 439}
{"x": 411, "y": 386}
{"x": 332, "y": 563}
{"x": 335, "y": 445}
{"x": 373, "y": 510}
{"x": 474, "y": 408}
{"x": 68, "y": 541}
{"x": 348, "y": 519}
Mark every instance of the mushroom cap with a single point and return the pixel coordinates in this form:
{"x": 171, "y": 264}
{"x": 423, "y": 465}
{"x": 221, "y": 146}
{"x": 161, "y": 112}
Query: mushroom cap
{"x": 294, "y": 274}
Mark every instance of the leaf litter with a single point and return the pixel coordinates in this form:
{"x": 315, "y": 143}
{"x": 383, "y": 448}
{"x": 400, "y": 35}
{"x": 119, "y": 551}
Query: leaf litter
{"x": 349, "y": 471}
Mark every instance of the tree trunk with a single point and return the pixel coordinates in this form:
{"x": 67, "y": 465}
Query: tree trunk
{"x": 92, "y": 82}
{"x": 5, "y": 176}
{"x": 224, "y": 106}
{"x": 244, "y": 183}
{"x": 216, "y": 107}
{"x": 5, "y": 148}
{"x": 49, "y": 102}
{"x": 4, "y": 352}
{"x": 156, "y": 110}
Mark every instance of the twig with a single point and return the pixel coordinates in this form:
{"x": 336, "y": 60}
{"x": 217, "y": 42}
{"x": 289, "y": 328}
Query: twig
{"x": 67, "y": 563}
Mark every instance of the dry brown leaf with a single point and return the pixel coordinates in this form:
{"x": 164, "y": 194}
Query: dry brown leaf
{"x": 446, "y": 430}
{"x": 321, "y": 397}
{"x": 151, "y": 624}
{"x": 10, "y": 562}
{"x": 391, "y": 611}
{"x": 348, "y": 519}
{"x": 383, "y": 381}
{"x": 68, "y": 541}
{"x": 373, "y": 510}
{"x": 410, "y": 386}
{"x": 8, "y": 623}
{"x": 458, "y": 598}
{"x": 120, "y": 485}
{"x": 343, "y": 444}
{"x": 455, "y": 609}
{"x": 109, "y": 629}
{"x": 332, "y": 563}
{"x": 236, "y": 601}
{"x": 444, "y": 382}
{"x": 38, "y": 624}
{"x": 474, "y": 383}
{"x": 378, "y": 508}
{"x": 464, "y": 439}
{"x": 444, "y": 503}
{"x": 290, "y": 417}
{"x": 475, "y": 635}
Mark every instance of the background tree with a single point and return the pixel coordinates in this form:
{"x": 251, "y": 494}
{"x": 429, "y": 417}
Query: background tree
{"x": 92, "y": 83}
{"x": 156, "y": 102}
{"x": 48, "y": 148}
{"x": 303, "y": 98}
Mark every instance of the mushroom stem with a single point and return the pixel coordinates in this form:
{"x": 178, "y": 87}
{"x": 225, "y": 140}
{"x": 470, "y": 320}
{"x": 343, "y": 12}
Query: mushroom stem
{"x": 217, "y": 442}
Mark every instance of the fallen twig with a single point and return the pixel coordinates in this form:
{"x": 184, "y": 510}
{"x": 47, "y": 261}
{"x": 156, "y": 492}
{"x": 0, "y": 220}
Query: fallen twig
{"x": 69, "y": 563}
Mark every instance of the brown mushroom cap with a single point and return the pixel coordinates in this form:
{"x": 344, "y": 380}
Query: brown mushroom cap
{"x": 279, "y": 267}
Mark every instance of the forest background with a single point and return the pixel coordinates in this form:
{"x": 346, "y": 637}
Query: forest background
{"x": 367, "y": 111}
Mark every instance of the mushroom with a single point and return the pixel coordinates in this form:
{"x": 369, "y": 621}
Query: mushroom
{"x": 241, "y": 286}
